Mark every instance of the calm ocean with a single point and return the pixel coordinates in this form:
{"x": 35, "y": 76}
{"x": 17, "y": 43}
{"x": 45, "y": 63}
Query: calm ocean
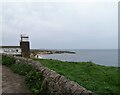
{"x": 107, "y": 57}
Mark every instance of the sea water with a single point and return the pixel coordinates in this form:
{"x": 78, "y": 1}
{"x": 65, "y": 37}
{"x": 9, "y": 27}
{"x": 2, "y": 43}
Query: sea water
{"x": 107, "y": 57}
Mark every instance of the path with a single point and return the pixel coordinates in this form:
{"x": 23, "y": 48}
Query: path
{"x": 12, "y": 83}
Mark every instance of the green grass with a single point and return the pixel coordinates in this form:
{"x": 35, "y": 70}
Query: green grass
{"x": 97, "y": 78}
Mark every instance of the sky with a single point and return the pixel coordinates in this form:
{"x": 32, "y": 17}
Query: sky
{"x": 61, "y": 25}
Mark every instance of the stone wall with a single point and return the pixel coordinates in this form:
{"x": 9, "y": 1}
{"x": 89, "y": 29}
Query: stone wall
{"x": 54, "y": 82}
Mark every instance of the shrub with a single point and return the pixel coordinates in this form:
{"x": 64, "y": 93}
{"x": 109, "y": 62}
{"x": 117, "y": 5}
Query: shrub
{"x": 34, "y": 80}
{"x": 8, "y": 61}
{"x": 22, "y": 69}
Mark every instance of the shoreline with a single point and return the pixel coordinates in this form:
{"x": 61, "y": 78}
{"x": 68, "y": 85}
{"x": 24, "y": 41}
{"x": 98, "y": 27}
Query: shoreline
{"x": 34, "y": 52}
{"x": 76, "y": 62}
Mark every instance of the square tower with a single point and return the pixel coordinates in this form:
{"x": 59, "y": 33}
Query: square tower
{"x": 25, "y": 46}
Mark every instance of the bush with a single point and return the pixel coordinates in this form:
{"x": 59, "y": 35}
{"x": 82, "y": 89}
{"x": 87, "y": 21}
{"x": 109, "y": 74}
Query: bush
{"x": 8, "y": 61}
{"x": 22, "y": 69}
{"x": 34, "y": 80}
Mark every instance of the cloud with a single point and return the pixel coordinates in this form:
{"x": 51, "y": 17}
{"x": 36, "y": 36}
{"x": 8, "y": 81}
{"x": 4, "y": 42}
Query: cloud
{"x": 61, "y": 25}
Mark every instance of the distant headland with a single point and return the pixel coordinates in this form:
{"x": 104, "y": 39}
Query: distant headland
{"x": 34, "y": 52}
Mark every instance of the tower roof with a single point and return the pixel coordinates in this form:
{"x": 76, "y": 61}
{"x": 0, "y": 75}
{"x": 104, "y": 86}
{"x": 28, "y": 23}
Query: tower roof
{"x": 24, "y": 36}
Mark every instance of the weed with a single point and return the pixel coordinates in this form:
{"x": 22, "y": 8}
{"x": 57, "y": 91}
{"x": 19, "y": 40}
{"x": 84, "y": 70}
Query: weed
{"x": 34, "y": 80}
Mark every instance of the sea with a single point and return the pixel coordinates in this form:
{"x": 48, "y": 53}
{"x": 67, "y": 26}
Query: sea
{"x": 106, "y": 57}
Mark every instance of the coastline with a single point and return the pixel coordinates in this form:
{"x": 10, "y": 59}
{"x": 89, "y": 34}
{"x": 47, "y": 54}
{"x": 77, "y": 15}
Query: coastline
{"x": 102, "y": 57}
{"x": 34, "y": 52}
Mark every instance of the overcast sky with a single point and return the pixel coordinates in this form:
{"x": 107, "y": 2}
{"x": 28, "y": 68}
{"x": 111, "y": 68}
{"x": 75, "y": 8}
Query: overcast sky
{"x": 61, "y": 25}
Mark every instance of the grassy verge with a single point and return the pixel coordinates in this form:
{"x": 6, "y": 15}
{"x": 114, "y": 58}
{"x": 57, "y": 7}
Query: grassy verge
{"x": 33, "y": 78}
{"x": 97, "y": 78}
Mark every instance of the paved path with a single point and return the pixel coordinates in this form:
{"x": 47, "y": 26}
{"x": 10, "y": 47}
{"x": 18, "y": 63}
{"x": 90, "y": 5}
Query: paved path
{"x": 12, "y": 83}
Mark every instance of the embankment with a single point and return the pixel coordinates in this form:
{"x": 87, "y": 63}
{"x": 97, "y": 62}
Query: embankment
{"x": 53, "y": 82}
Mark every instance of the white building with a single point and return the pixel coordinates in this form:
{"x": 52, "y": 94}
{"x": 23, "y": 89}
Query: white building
{"x": 22, "y": 50}
{"x": 13, "y": 50}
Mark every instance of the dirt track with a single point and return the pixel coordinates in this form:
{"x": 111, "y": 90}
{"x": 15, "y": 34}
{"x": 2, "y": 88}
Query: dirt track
{"x": 12, "y": 83}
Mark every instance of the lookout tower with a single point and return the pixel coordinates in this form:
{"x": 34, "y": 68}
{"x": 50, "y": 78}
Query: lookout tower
{"x": 25, "y": 46}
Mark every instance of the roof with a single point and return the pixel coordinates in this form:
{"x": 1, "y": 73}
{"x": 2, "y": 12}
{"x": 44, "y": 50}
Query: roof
{"x": 9, "y": 46}
{"x": 24, "y": 36}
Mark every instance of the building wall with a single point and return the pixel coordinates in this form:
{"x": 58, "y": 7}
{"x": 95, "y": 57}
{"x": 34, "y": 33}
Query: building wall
{"x": 13, "y": 51}
{"x": 25, "y": 46}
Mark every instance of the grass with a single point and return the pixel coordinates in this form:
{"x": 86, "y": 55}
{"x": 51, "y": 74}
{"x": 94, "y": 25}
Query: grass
{"x": 97, "y": 78}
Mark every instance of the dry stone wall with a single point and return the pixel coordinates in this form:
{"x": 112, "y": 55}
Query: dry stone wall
{"x": 54, "y": 82}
